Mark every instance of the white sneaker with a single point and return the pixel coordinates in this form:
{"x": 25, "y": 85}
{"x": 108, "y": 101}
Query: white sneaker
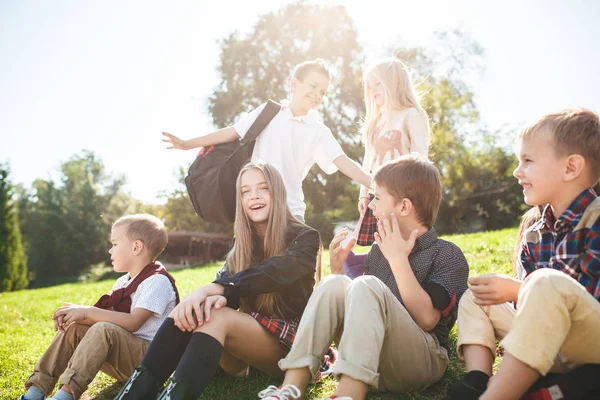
{"x": 287, "y": 392}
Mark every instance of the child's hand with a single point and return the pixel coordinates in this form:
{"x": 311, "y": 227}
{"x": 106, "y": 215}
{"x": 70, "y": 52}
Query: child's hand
{"x": 389, "y": 238}
{"x": 492, "y": 289}
{"x": 191, "y": 305}
{"x": 363, "y": 202}
{"x": 216, "y": 301}
{"x": 174, "y": 141}
{"x": 69, "y": 314}
{"x": 339, "y": 253}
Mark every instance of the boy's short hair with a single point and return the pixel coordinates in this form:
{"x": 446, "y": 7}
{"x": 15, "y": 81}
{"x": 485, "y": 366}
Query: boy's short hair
{"x": 147, "y": 228}
{"x": 413, "y": 177}
{"x": 302, "y": 70}
{"x": 573, "y": 131}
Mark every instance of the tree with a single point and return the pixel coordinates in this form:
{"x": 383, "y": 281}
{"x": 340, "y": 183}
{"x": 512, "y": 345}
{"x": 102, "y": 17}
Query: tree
{"x": 179, "y": 214}
{"x": 13, "y": 264}
{"x": 258, "y": 66}
{"x": 67, "y": 222}
{"x": 476, "y": 173}
{"x": 479, "y": 190}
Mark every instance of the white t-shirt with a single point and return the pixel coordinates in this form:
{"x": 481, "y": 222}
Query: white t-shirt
{"x": 292, "y": 145}
{"x": 154, "y": 294}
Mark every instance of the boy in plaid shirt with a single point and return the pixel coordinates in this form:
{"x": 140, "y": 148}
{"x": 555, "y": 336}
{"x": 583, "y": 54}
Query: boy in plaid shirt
{"x": 555, "y": 325}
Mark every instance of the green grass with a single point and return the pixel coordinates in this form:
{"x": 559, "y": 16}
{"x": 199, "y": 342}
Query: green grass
{"x": 26, "y": 327}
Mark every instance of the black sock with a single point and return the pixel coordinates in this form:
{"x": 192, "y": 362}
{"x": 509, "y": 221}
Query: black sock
{"x": 470, "y": 387}
{"x": 199, "y": 362}
{"x": 166, "y": 350}
{"x": 574, "y": 384}
{"x": 477, "y": 380}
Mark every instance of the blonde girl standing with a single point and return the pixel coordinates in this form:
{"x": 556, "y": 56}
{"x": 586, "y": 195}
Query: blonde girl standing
{"x": 395, "y": 124}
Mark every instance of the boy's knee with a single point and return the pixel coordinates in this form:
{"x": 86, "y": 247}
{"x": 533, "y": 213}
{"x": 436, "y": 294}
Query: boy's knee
{"x": 467, "y": 300}
{"x": 334, "y": 285}
{"x": 104, "y": 329}
{"x": 547, "y": 281}
{"x": 366, "y": 285}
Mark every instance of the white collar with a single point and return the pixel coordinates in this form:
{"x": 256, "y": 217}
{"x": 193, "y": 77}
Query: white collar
{"x": 312, "y": 117}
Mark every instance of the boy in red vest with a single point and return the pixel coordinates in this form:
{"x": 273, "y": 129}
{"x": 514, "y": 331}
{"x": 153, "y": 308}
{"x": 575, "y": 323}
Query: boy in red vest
{"x": 113, "y": 335}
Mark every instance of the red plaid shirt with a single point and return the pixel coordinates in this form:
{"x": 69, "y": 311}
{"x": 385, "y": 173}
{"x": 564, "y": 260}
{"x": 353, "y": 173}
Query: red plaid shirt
{"x": 570, "y": 244}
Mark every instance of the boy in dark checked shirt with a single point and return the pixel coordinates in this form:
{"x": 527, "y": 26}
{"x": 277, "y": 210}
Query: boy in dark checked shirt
{"x": 556, "y": 323}
{"x": 393, "y": 322}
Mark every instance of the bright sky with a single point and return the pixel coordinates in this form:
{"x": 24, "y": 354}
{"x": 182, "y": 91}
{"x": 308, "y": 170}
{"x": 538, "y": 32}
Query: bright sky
{"x": 109, "y": 76}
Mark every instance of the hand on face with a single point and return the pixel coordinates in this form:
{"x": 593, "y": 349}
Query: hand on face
{"x": 389, "y": 238}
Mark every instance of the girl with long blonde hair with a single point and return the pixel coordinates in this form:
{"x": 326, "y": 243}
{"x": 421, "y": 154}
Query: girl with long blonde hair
{"x": 395, "y": 124}
{"x": 268, "y": 275}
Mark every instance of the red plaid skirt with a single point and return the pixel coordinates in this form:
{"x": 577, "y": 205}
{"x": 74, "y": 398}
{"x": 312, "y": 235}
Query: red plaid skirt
{"x": 285, "y": 331}
{"x": 368, "y": 227}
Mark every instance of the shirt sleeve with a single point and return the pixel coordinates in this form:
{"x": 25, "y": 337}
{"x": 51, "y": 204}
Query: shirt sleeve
{"x": 155, "y": 294}
{"x": 276, "y": 273}
{"x": 440, "y": 298}
{"x": 242, "y": 126}
{"x": 451, "y": 272}
{"x": 223, "y": 272}
{"x": 418, "y": 133}
{"x": 328, "y": 149}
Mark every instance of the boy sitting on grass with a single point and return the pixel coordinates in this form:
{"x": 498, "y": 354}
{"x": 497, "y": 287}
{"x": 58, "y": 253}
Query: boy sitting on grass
{"x": 113, "y": 335}
{"x": 555, "y": 325}
{"x": 391, "y": 324}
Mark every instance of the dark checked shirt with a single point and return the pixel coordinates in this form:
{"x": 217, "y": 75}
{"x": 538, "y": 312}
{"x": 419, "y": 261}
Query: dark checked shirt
{"x": 570, "y": 244}
{"x": 291, "y": 275}
{"x": 439, "y": 266}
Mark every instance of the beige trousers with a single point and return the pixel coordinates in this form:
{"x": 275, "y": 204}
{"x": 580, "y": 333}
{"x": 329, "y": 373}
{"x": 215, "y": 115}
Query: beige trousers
{"x": 379, "y": 342}
{"x": 555, "y": 327}
{"x": 77, "y": 355}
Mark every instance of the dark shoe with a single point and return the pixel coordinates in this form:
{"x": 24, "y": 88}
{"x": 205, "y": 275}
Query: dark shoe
{"x": 141, "y": 385}
{"x": 177, "y": 390}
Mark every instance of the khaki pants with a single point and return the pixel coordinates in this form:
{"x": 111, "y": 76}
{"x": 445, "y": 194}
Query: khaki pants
{"x": 380, "y": 345}
{"x": 555, "y": 327}
{"x": 77, "y": 355}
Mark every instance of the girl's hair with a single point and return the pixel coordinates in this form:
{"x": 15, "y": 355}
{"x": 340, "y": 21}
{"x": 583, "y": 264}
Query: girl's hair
{"x": 528, "y": 219}
{"x": 399, "y": 93}
{"x": 281, "y": 222}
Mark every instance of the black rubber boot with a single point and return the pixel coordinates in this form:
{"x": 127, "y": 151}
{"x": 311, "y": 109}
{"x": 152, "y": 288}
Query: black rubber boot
{"x": 177, "y": 390}
{"x": 141, "y": 385}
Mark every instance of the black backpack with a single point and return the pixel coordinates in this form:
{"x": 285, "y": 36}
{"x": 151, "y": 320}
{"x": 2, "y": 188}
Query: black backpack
{"x": 211, "y": 178}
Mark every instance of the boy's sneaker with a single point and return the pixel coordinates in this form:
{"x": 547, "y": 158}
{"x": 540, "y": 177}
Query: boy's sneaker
{"x": 287, "y": 392}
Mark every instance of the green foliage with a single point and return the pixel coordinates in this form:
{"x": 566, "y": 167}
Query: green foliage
{"x": 480, "y": 192}
{"x": 66, "y": 221}
{"x": 26, "y": 329}
{"x": 179, "y": 214}
{"x": 13, "y": 265}
{"x": 259, "y": 65}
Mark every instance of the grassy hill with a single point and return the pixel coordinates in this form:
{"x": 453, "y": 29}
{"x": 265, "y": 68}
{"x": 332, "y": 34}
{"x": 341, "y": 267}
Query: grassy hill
{"x": 26, "y": 328}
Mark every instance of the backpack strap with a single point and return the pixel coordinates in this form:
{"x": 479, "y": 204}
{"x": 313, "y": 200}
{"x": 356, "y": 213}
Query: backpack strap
{"x": 266, "y": 115}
